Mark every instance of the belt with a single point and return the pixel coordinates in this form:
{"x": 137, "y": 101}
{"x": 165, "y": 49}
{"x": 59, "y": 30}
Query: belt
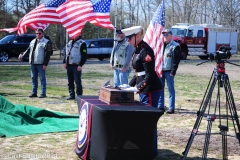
{"x": 140, "y": 73}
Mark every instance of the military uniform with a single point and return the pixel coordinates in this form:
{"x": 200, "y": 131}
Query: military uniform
{"x": 76, "y": 56}
{"x": 143, "y": 62}
{"x": 146, "y": 79}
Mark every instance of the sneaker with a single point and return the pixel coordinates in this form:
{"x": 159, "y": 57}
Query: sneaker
{"x": 32, "y": 95}
{"x": 70, "y": 98}
{"x": 170, "y": 111}
{"x": 42, "y": 96}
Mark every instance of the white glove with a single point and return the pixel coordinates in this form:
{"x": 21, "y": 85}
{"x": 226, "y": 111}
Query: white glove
{"x": 124, "y": 86}
{"x": 134, "y": 89}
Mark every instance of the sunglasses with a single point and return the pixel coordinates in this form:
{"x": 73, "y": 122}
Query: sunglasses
{"x": 165, "y": 34}
{"x": 39, "y": 33}
{"x": 119, "y": 32}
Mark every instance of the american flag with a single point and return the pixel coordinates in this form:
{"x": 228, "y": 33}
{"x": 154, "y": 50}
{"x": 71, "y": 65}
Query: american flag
{"x": 39, "y": 17}
{"x": 75, "y": 13}
{"x": 154, "y": 36}
{"x": 9, "y": 30}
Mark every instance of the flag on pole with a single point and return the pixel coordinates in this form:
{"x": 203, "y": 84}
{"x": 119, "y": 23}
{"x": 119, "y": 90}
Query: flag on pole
{"x": 41, "y": 16}
{"x": 9, "y": 30}
{"x": 154, "y": 36}
{"x": 75, "y": 13}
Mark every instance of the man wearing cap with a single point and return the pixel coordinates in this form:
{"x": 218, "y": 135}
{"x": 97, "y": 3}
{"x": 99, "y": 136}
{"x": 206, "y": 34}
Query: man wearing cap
{"x": 120, "y": 59}
{"x": 171, "y": 59}
{"x": 146, "y": 80}
{"x": 73, "y": 61}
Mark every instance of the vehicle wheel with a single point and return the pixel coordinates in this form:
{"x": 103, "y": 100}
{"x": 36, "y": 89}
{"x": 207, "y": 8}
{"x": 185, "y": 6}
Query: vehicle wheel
{"x": 184, "y": 54}
{"x": 203, "y": 57}
{"x": 100, "y": 58}
{"x": 4, "y": 57}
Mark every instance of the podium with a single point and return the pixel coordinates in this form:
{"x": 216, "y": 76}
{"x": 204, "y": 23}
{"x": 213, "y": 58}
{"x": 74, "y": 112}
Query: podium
{"x": 116, "y": 131}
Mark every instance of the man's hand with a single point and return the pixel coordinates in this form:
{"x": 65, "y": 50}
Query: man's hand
{"x": 20, "y": 56}
{"x": 79, "y": 68}
{"x": 44, "y": 67}
{"x": 65, "y": 65}
{"x": 111, "y": 66}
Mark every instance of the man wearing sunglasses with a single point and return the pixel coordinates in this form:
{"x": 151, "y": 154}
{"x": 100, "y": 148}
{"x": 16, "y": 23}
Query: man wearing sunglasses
{"x": 120, "y": 59}
{"x": 39, "y": 52}
{"x": 171, "y": 59}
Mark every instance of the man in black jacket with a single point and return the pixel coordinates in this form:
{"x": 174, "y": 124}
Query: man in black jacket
{"x": 75, "y": 58}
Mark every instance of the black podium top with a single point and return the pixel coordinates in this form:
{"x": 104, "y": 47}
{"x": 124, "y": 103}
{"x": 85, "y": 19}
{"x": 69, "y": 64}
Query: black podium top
{"x": 103, "y": 107}
{"x": 116, "y": 131}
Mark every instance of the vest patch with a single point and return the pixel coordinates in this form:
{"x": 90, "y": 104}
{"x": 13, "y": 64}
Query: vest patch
{"x": 148, "y": 58}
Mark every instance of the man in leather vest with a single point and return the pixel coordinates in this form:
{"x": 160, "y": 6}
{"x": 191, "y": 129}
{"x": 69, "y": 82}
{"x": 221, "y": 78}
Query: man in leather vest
{"x": 171, "y": 59}
{"x": 74, "y": 59}
{"x": 120, "y": 59}
{"x": 39, "y": 52}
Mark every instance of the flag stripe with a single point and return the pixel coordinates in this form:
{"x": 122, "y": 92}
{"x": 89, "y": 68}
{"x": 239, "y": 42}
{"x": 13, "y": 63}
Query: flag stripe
{"x": 75, "y": 13}
{"x": 154, "y": 36}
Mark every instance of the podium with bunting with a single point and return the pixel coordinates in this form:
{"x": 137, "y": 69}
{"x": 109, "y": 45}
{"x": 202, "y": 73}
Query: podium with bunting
{"x": 115, "y": 131}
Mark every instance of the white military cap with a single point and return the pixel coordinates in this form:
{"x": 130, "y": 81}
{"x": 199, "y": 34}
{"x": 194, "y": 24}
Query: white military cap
{"x": 132, "y": 30}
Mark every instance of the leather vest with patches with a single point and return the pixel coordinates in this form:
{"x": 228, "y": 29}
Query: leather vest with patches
{"x": 73, "y": 52}
{"x": 120, "y": 54}
{"x": 168, "y": 55}
{"x": 39, "y": 51}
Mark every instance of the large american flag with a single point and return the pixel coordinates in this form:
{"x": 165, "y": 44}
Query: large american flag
{"x": 75, "y": 13}
{"x": 154, "y": 36}
{"x": 40, "y": 17}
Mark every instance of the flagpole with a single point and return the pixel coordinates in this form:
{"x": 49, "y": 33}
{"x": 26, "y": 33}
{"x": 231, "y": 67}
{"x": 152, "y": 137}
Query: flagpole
{"x": 66, "y": 43}
{"x": 115, "y": 21}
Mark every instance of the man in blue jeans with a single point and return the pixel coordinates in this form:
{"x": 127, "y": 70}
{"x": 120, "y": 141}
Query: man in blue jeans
{"x": 39, "y": 52}
{"x": 171, "y": 59}
{"x": 120, "y": 59}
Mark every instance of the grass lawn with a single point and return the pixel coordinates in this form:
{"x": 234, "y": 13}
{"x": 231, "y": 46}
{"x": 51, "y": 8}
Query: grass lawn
{"x": 174, "y": 130}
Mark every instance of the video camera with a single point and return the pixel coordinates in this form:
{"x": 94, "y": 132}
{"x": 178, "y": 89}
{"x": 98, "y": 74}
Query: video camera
{"x": 222, "y": 53}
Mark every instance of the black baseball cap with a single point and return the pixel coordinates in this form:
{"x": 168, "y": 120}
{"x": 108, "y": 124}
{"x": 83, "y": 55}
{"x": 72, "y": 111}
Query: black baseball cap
{"x": 119, "y": 31}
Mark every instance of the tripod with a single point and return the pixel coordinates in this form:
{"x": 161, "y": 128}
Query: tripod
{"x": 229, "y": 109}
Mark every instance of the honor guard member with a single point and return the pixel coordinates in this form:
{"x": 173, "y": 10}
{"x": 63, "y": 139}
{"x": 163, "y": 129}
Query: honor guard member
{"x": 145, "y": 79}
{"x": 39, "y": 52}
{"x": 120, "y": 59}
{"x": 171, "y": 59}
{"x": 75, "y": 58}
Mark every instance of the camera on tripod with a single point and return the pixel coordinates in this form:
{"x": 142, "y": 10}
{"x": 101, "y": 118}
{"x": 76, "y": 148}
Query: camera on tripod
{"x": 221, "y": 54}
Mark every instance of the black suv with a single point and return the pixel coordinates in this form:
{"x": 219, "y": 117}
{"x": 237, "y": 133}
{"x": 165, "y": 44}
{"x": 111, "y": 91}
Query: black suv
{"x": 13, "y": 45}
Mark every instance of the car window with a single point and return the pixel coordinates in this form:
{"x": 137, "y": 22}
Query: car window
{"x": 110, "y": 43}
{"x": 7, "y": 39}
{"x": 19, "y": 40}
{"x": 88, "y": 43}
{"x": 107, "y": 43}
{"x": 28, "y": 39}
{"x": 94, "y": 44}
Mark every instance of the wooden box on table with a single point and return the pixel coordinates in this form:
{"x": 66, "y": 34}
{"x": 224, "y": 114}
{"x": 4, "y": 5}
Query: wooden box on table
{"x": 112, "y": 95}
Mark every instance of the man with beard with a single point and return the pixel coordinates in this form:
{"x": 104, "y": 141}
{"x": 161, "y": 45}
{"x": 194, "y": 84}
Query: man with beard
{"x": 120, "y": 59}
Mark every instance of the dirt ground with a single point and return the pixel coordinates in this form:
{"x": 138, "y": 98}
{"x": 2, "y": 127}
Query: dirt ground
{"x": 177, "y": 137}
